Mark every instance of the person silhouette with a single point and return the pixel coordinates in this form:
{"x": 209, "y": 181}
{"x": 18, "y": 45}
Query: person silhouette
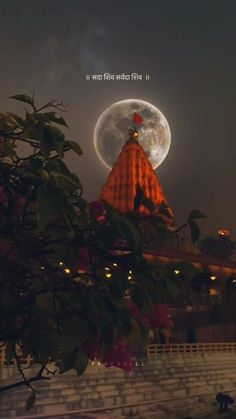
{"x": 224, "y": 400}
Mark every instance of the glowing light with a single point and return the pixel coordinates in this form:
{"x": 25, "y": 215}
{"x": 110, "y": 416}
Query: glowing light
{"x": 213, "y": 292}
{"x": 177, "y": 272}
{"x": 42, "y": 267}
{"x": 129, "y": 277}
{"x": 108, "y": 275}
{"x": 130, "y": 272}
{"x": 61, "y": 263}
{"x": 114, "y": 264}
{"x": 67, "y": 270}
{"x": 213, "y": 278}
{"x": 106, "y": 268}
{"x": 222, "y": 232}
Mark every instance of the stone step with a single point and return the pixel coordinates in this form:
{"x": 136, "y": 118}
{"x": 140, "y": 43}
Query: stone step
{"x": 119, "y": 376}
{"x": 60, "y": 387}
{"x": 105, "y": 388}
{"x": 144, "y": 392}
{"x": 134, "y": 410}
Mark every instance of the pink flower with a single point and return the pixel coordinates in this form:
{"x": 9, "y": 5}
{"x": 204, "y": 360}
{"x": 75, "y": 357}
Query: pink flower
{"x": 136, "y": 312}
{"x": 97, "y": 210}
{"x": 119, "y": 356}
{"x": 160, "y": 316}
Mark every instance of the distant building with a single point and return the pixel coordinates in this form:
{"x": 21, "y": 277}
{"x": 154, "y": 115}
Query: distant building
{"x": 212, "y": 290}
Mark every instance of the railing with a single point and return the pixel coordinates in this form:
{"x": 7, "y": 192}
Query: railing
{"x": 154, "y": 350}
{"x": 26, "y": 360}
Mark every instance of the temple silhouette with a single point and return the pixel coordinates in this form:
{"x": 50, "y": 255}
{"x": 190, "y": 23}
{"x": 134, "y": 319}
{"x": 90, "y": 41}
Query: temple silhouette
{"x": 132, "y": 170}
{"x": 212, "y": 289}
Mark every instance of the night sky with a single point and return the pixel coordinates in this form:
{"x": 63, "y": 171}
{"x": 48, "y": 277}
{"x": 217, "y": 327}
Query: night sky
{"x": 188, "y": 49}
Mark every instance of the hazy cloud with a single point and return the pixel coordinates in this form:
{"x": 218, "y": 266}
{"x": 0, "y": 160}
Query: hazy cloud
{"x": 61, "y": 59}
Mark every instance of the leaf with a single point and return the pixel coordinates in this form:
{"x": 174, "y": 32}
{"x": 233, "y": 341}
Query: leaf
{"x": 8, "y": 148}
{"x": 195, "y": 214}
{"x": 65, "y": 181}
{"x": 130, "y": 232}
{"x": 59, "y": 120}
{"x": 16, "y": 118}
{"x": 59, "y": 147}
{"x": 31, "y": 179}
{"x": 149, "y": 204}
{"x": 159, "y": 224}
{"x": 141, "y": 199}
{"x": 50, "y": 203}
{"x": 61, "y": 251}
{"x": 75, "y": 332}
{"x": 74, "y": 146}
{"x": 81, "y": 362}
{"x": 105, "y": 236}
{"x": 44, "y": 339}
{"x": 172, "y": 288}
{"x": 10, "y": 351}
{"x": 44, "y": 305}
{"x": 106, "y": 316}
{"x": 49, "y": 117}
{"x": 77, "y": 360}
{"x": 23, "y": 98}
{"x": 45, "y": 147}
{"x": 195, "y": 231}
{"x": 83, "y": 205}
{"x": 35, "y": 163}
{"x": 31, "y": 401}
{"x": 67, "y": 361}
{"x": 5, "y": 121}
{"x": 140, "y": 196}
{"x": 145, "y": 333}
{"x": 51, "y": 138}
{"x": 117, "y": 302}
{"x": 139, "y": 297}
{"x": 32, "y": 131}
{"x": 163, "y": 209}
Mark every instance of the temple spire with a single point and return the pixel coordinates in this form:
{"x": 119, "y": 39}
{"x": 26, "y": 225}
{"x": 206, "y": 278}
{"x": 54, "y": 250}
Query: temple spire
{"x": 132, "y": 171}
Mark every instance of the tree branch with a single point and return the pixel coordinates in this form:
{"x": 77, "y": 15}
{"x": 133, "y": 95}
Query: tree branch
{"x": 27, "y": 382}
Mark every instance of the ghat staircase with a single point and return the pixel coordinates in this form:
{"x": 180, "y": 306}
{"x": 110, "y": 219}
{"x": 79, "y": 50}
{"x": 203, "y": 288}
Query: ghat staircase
{"x": 173, "y": 381}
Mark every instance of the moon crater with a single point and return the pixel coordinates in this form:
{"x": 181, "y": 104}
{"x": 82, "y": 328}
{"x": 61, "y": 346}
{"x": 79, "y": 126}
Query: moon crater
{"x": 111, "y": 131}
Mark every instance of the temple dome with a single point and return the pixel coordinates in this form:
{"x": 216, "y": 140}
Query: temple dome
{"x": 132, "y": 170}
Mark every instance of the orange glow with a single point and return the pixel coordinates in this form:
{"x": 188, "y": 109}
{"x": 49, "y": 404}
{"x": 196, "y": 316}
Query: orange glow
{"x": 223, "y": 232}
{"x": 213, "y": 292}
{"x": 131, "y": 169}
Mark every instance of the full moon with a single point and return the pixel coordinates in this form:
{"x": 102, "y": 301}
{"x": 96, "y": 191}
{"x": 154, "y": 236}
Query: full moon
{"x": 111, "y": 131}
